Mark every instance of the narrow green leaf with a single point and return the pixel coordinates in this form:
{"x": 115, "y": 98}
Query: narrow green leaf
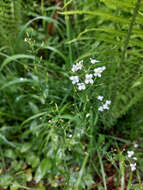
{"x": 15, "y": 57}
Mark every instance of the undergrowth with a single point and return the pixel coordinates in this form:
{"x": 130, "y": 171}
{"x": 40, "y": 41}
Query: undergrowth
{"x": 71, "y": 94}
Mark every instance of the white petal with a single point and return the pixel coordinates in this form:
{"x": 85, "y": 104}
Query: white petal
{"x": 93, "y": 61}
{"x": 100, "y": 108}
{"x": 100, "y": 98}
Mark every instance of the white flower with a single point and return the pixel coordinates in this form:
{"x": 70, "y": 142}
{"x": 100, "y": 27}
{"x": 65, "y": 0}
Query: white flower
{"x": 74, "y": 68}
{"x": 130, "y": 153}
{"x": 101, "y": 109}
{"x": 134, "y": 158}
{"x": 133, "y": 166}
{"x": 105, "y": 107}
{"x": 108, "y": 102}
{"x": 22, "y": 79}
{"x": 74, "y": 79}
{"x": 103, "y": 68}
{"x": 81, "y": 86}
{"x": 87, "y": 115}
{"x": 97, "y": 72}
{"x": 88, "y": 79}
{"x": 93, "y": 61}
{"x": 70, "y": 135}
{"x": 100, "y": 98}
{"x": 77, "y": 66}
{"x": 136, "y": 145}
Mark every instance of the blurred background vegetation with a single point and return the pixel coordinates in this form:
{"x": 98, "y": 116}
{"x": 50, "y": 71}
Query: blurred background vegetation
{"x": 46, "y": 142}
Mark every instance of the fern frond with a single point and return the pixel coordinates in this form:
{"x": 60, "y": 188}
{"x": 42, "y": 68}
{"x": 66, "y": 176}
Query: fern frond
{"x": 9, "y": 22}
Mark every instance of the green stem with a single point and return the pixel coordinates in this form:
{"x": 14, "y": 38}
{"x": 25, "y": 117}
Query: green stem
{"x": 130, "y": 181}
{"x": 102, "y": 169}
{"x": 68, "y": 31}
{"x": 130, "y": 31}
{"x": 93, "y": 124}
{"x": 43, "y": 12}
{"x": 81, "y": 171}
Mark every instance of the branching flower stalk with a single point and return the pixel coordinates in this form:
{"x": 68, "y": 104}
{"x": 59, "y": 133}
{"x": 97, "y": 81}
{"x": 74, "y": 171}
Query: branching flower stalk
{"x": 83, "y": 77}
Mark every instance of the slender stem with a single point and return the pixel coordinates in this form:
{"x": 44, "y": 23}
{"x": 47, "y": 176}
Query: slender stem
{"x": 93, "y": 124}
{"x": 43, "y": 12}
{"x": 102, "y": 169}
{"x": 130, "y": 181}
{"x": 130, "y": 30}
{"x": 68, "y": 31}
{"x": 81, "y": 171}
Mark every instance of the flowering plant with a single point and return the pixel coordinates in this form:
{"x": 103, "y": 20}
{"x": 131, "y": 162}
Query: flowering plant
{"x": 84, "y": 77}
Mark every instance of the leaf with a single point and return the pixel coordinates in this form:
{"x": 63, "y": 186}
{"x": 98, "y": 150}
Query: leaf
{"x": 106, "y": 16}
{"x": 15, "y": 57}
{"x": 5, "y": 141}
{"x": 16, "y": 81}
{"x": 32, "y": 160}
{"x": 5, "y": 180}
{"x": 21, "y": 33}
{"x": 25, "y": 147}
{"x": 43, "y": 169}
{"x": 14, "y": 186}
{"x": 9, "y": 153}
{"x": 33, "y": 117}
{"x": 28, "y": 175}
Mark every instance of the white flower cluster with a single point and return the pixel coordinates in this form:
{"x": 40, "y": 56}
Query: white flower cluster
{"x": 130, "y": 155}
{"x": 88, "y": 77}
{"x": 105, "y": 106}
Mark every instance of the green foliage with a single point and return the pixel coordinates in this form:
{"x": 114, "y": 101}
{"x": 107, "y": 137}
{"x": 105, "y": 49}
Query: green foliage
{"x": 118, "y": 45}
{"x": 10, "y": 21}
{"x": 46, "y": 138}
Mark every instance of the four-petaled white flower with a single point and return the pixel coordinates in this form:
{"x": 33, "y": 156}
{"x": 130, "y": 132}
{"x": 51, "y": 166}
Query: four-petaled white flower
{"x": 105, "y": 107}
{"x": 133, "y": 166}
{"x": 100, "y": 98}
{"x": 81, "y": 86}
{"x": 101, "y": 109}
{"x": 94, "y": 61}
{"x": 77, "y": 66}
{"x": 130, "y": 153}
{"x": 98, "y": 71}
{"x": 88, "y": 79}
{"x": 108, "y": 102}
{"x": 74, "y": 79}
{"x": 74, "y": 68}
